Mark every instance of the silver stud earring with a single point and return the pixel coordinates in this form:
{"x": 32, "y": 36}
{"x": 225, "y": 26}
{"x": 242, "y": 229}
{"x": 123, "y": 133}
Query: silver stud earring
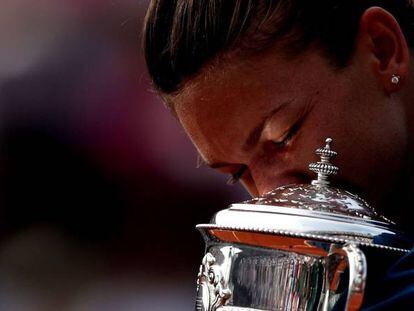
{"x": 395, "y": 79}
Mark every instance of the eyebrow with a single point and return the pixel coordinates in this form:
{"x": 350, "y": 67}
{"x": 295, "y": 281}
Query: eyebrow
{"x": 252, "y": 138}
{"x": 255, "y": 134}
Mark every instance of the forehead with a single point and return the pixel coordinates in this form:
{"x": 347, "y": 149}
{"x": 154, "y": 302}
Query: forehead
{"x": 220, "y": 106}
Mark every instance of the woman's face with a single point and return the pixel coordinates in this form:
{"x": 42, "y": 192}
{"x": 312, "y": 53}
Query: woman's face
{"x": 261, "y": 119}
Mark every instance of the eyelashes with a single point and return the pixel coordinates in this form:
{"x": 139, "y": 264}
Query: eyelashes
{"x": 289, "y": 134}
{"x": 287, "y": 137}
{"x": 235, "y": 177}
{"x": 275, "y": 146}
{"x": 232, "y": 179}
{"x": 285, "y": 140}
{"x": 294, "y": 129}
{"x": 200, "y": 161}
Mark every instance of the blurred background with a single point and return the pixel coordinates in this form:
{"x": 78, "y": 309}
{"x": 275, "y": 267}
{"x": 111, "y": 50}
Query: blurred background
{"x": 100, "y": 189}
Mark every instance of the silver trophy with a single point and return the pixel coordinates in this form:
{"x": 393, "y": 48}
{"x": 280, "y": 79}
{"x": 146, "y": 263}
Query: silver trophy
{"x": 298, "y": 247}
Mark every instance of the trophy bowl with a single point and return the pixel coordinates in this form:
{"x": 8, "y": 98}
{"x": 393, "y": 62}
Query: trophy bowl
{"x": 298, "y": 247}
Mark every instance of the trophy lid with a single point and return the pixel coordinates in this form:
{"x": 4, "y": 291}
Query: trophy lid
{"x": 319, "y": 196}
{"x": 312, "y": 210}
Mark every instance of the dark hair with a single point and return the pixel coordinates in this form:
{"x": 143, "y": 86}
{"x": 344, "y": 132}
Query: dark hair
{"x": 181, "y": 36}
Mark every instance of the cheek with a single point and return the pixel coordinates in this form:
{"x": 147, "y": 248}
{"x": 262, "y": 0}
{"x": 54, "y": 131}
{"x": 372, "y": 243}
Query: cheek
{"x": 373, "y": 157}
{"x": 370, "y": 138}
{"x": 370, "y": 145}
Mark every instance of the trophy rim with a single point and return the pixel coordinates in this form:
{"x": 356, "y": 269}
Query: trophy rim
{"x": 293, "y": 211}
{"x": 205, "y": 228}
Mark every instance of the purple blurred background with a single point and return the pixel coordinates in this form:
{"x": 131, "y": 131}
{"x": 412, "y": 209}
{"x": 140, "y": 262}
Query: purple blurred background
{"x": 100, "y": 189}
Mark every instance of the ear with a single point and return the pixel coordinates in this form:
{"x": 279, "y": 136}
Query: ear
{"x": 381, "y": 37}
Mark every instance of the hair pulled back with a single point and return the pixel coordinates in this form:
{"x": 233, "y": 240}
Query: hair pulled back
{"x": 181, "y": 36}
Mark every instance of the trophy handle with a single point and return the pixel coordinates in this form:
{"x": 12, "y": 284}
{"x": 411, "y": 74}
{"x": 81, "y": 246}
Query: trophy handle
{"x": 349, "y": 255}
{"x": 357, "y": 276}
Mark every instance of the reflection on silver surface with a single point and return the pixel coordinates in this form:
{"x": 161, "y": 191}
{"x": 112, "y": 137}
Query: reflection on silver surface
{"x": 269, "y": 277}
{"x": 357, "y": 275}
{"x": 299, "y": 247}
{"x": 212, "y": 290}
{"x": 238, "y": 309}
{"x": 263, "y": 279}
{"x": 314, "y": 198}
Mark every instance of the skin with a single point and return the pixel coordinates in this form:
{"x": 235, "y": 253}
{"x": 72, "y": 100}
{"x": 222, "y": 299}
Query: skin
{"x": 262, "y": 117}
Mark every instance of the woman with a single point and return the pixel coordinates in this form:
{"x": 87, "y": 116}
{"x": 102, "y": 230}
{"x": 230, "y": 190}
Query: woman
{"x": 258, "y": 85}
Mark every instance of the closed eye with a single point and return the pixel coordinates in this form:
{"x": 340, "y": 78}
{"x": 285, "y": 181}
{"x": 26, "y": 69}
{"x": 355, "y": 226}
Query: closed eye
{"x": 235, "y": 177}
{"x": 289, "y": 135}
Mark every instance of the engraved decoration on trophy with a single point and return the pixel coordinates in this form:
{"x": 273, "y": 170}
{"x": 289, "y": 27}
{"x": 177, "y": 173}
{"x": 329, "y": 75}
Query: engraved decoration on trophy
{"x": 299, "y": 247}
{"x": 212, "y": 292}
